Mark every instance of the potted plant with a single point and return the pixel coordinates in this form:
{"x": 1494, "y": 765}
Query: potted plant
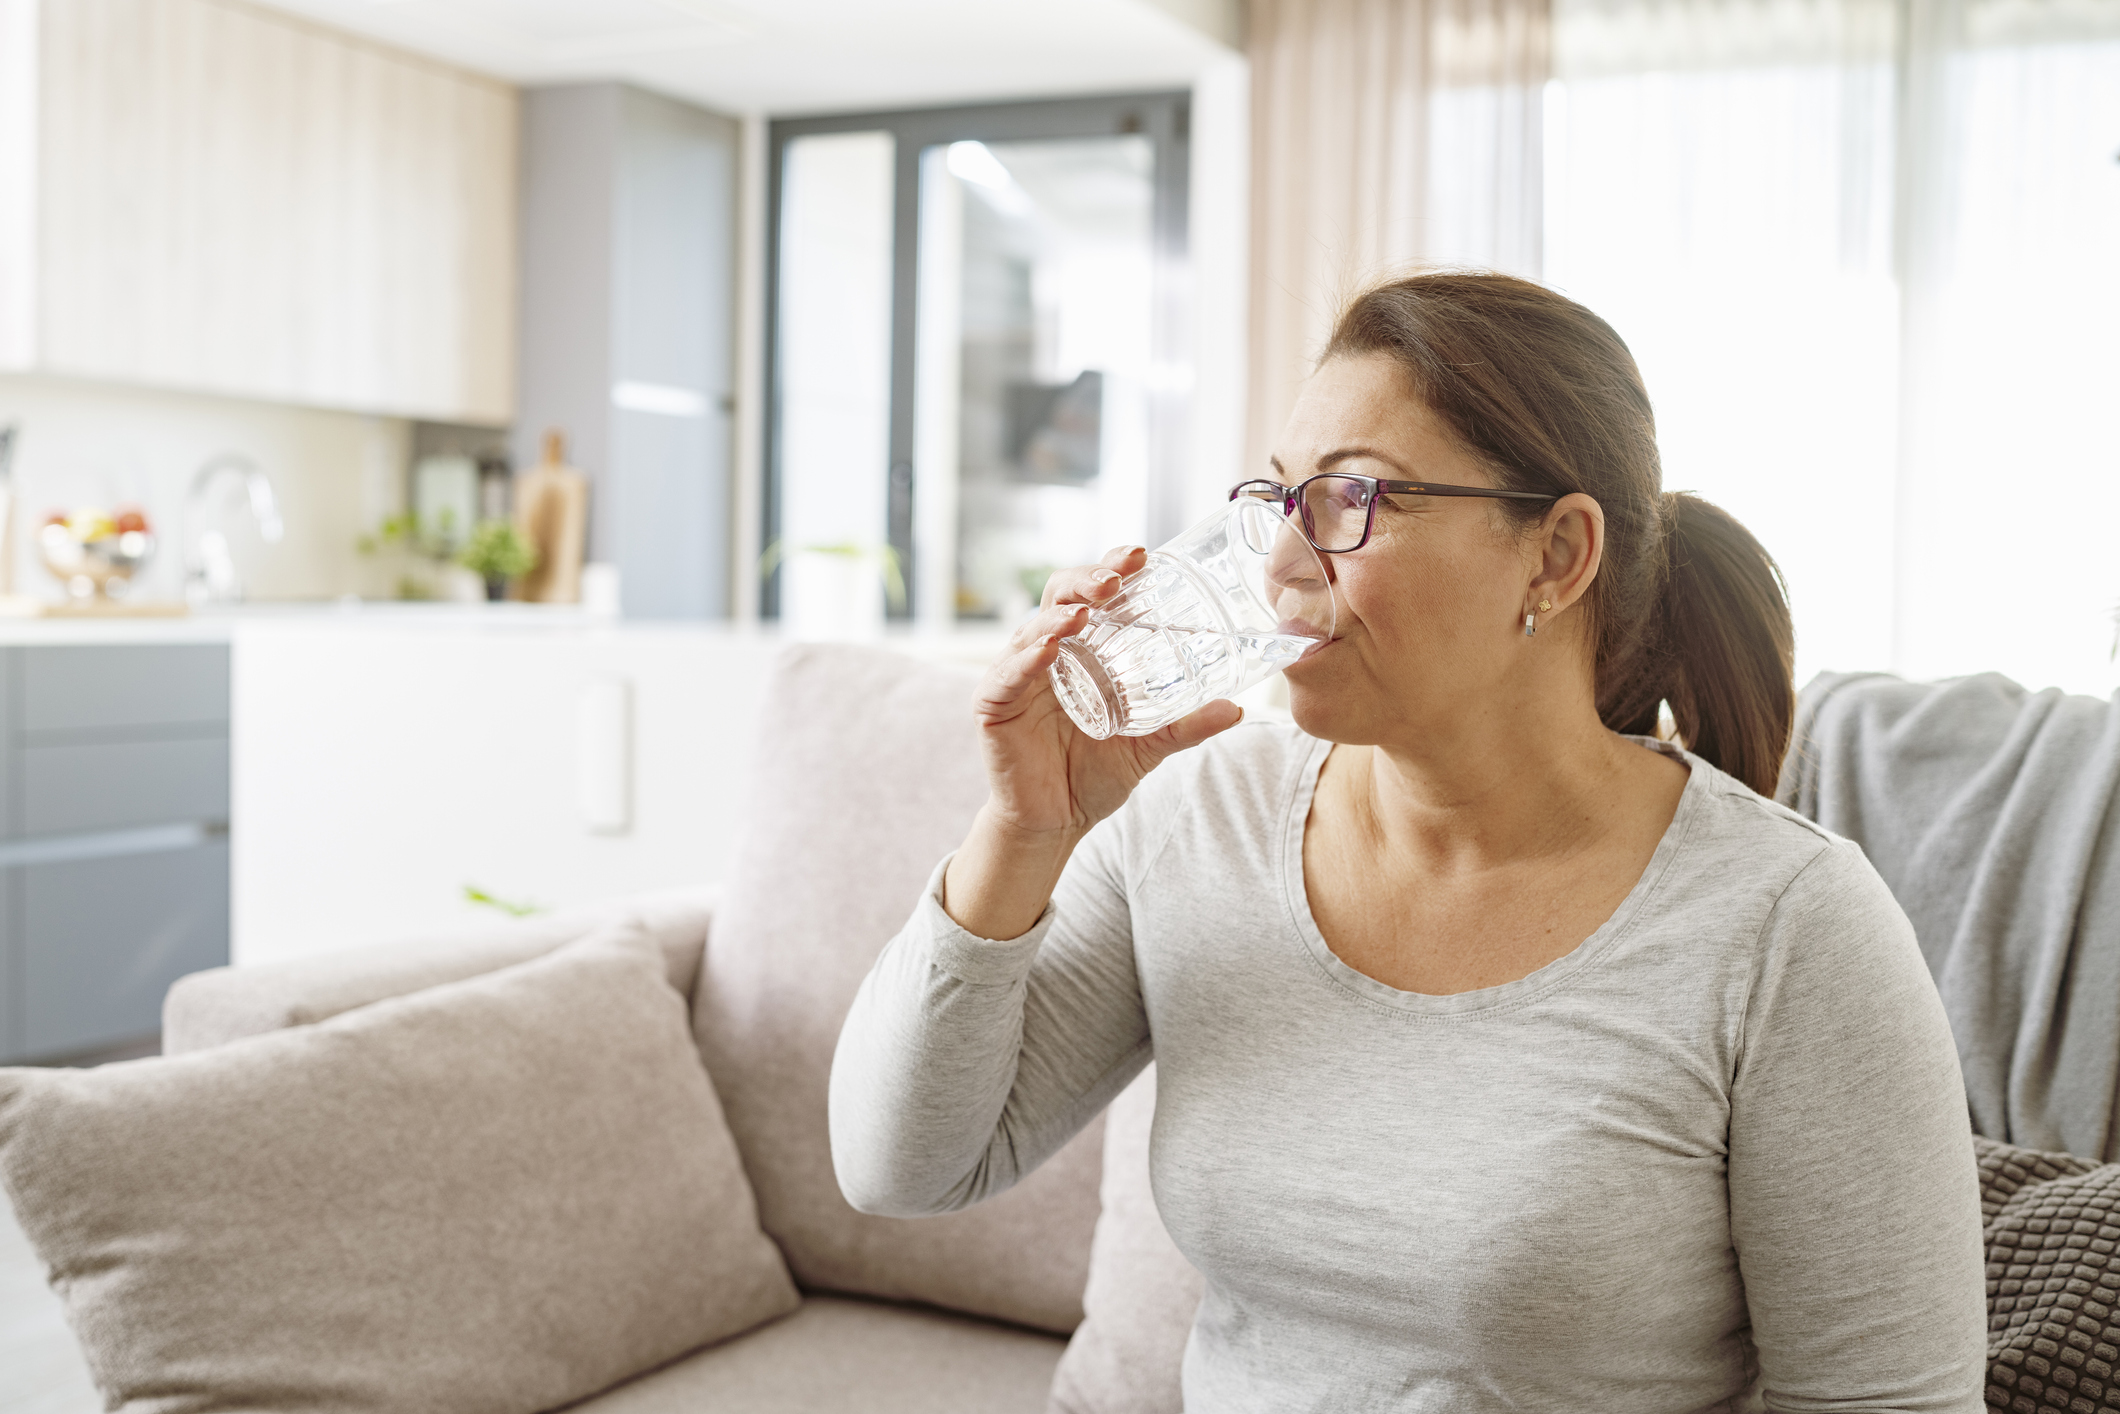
{"x": 497, "y": 552}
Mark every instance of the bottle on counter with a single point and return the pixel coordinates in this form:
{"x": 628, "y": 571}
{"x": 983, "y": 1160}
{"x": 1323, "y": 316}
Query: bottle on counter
{"x": 552, "y": 512}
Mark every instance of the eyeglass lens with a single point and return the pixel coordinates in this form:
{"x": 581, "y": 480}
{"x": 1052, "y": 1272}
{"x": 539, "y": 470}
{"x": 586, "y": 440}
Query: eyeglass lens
{"x": 1336, "y": 511}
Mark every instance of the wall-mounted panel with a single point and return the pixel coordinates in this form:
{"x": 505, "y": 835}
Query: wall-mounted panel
{"x": 628, "y": 335}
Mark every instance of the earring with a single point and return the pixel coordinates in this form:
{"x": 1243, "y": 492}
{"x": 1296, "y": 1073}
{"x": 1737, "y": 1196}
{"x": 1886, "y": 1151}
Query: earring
{"x": 1528, "y": 627}
{"x": 1544, "y": 605}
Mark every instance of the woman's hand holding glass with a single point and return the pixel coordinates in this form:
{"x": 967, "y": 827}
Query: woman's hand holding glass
{"x": 1048, "y": 781}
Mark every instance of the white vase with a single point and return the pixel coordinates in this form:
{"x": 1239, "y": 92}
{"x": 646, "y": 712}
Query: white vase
{"x": 827, "y": 598}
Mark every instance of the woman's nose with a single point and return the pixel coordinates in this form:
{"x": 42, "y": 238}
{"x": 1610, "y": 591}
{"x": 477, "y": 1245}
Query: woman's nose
{"x": 1291, "y": 563}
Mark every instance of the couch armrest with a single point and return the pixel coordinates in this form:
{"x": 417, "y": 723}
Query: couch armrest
{"x": 225, "y": 1003}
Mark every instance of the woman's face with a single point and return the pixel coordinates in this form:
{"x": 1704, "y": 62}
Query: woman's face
{"x": 1431, "y": 610}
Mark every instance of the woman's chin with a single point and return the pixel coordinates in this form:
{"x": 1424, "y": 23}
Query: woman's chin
{"x": 1310, "y": 699}
{"x": 1330, "y": 698}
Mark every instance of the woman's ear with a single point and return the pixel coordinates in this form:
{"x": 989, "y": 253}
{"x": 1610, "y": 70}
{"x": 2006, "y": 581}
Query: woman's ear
{"x": 1569, "y": 545}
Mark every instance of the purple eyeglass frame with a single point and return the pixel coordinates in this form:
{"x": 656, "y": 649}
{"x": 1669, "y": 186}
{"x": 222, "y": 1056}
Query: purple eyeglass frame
{"x": 1293, "y": 507}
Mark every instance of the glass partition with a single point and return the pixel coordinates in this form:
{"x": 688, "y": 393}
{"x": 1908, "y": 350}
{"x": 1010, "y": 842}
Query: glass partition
{"x": 1037, "y": 265}
{"x": 979, "y": 353}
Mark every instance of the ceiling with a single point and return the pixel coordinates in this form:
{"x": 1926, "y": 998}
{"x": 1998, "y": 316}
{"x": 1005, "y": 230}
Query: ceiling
{"x": 809, "y": 56}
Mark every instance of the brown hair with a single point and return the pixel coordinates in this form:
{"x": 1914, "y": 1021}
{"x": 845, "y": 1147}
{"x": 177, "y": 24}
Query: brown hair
{"x": 1687, "y": 608}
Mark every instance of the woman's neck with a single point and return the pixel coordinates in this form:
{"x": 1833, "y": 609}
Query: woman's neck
{"x": 1507, "y": 788}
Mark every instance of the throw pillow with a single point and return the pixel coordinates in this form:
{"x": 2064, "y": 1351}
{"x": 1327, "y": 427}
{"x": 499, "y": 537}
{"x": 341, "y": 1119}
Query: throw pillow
{"x": 1137, "y": 1311}
{"x": 867, "y": 772}
{"x": 223, "y": 1004}
{"x": 2053, "y": 1240}
{"x": 495, "y": 1196}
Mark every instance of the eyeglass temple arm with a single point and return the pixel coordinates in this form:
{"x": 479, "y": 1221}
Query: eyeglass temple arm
{"x": 1399, "y": 488}
{"x": 1426, "y": 488}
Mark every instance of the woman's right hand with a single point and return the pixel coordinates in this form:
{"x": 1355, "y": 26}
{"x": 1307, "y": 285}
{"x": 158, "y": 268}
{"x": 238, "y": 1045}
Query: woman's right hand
{"x": 1048, "y": 782}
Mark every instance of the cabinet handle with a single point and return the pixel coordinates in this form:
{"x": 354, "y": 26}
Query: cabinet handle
{"x": 110, "y": 844}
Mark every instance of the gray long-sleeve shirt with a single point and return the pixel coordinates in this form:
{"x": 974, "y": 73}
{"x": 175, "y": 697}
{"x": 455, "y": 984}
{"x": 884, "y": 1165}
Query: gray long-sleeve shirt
{"x": 1722, "y": 1143}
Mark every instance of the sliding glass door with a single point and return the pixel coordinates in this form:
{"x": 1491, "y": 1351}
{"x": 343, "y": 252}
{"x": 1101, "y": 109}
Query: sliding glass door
{"x": 977, "y": 354}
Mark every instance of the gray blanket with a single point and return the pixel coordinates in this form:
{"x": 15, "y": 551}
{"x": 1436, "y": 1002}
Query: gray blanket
{"x": 1989, "y": 811}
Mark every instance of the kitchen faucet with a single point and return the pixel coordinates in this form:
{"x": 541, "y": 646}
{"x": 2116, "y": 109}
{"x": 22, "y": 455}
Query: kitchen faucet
{"x": 209, "y": 569}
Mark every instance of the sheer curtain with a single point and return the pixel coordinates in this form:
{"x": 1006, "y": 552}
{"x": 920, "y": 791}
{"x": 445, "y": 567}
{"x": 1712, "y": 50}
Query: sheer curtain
{"x": 2010, "y": 432}
{"x": 1868, "y": 254}
{"x": 1719, "y": 187}
{"x": 1866, "y": 251}
{"x": 1384, "y": 132}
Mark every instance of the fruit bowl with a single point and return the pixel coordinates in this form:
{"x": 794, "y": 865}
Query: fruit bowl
{"x": 93, "y": 553}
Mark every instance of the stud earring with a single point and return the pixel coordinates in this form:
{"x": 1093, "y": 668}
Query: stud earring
{"x": 1544, "y": 605}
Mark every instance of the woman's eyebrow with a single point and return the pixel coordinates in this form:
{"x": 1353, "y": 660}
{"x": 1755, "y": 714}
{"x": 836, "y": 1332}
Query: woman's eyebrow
{"x": 1340, "y": 454}
{"x": 1334, "y": 458}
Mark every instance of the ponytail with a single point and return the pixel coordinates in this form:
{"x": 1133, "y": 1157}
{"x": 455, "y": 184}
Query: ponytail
{"x": 1687, "y": 608}
{"x": 1722, "y": 651}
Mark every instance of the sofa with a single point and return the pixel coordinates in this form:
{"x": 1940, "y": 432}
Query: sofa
{"x": 866, "y": 772}
{"x": 582, "y": 1161}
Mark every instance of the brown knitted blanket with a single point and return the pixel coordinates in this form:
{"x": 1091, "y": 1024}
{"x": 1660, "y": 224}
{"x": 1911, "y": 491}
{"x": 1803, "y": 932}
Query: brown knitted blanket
{"x": 2053, "y": 1279}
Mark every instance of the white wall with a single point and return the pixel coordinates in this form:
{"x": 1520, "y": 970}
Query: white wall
{"x": 336, "y": 474}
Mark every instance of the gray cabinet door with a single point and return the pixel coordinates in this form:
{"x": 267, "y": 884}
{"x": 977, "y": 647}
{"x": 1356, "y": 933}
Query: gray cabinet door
{"x": 151, "y": 687}
{"x": 101, "y": 906}
{"x": 117, "y": 785}
{"x": 102, "y": 939}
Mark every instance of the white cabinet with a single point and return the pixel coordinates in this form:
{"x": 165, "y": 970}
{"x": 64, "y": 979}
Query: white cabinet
{"x": 232, "y": 201}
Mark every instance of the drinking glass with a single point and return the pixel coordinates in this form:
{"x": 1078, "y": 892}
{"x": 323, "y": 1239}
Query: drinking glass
{"x": 1221, "y": 607}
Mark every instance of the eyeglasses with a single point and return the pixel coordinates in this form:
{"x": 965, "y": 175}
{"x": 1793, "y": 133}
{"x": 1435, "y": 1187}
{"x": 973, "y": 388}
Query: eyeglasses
{"x": 1338, "y": 510}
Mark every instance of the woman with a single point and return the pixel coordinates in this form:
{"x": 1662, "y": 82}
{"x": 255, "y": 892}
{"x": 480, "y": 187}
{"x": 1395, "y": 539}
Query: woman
{"x": 1507, "y": 1057}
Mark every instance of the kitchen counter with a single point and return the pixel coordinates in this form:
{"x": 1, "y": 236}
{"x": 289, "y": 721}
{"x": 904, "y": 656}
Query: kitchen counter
{"x": 363, "y": 617}
{"x": 35, "y": 633}
{"x": 221, "y": 624}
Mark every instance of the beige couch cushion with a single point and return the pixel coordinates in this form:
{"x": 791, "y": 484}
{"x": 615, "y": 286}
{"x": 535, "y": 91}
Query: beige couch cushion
{"x": 867, "y": 773}
{"x": 843, "y": 1356}
{"x": 499, "y": 1195}
{"x": 1138, "y": 1309}
{"x": 223, "y": 1003}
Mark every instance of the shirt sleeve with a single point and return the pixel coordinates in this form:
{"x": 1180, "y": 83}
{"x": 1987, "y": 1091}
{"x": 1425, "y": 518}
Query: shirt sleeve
{"x": 965, "y": 1063}
{"x": 1854, "y": 1197}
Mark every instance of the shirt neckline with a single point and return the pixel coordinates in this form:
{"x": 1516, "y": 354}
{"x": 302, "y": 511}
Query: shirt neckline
{"x": 1506, "y": 995}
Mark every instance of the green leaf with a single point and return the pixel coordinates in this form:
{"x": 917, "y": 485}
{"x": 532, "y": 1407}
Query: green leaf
{"x": 474, "y": 894}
